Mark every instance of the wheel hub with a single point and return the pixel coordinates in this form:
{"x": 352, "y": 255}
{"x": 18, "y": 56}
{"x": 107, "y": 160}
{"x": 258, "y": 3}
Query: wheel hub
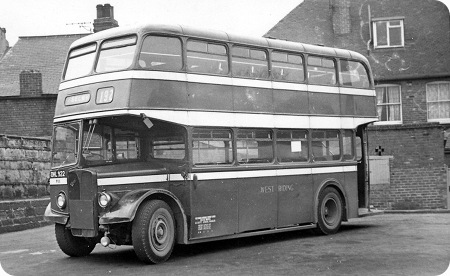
{"x": 160, "y": 231}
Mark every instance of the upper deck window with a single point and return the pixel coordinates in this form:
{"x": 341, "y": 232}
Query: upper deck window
{"x": 250, "y": 63}
{"x": 203, "y": 57}
{"x": 353, "y": 73}
{"x": 81, "y": 61}
{"x": 116, "y": 54}
{"x": 161, "y": 53}
{"x": 287, "y": 67}
{"x": 321, "y": 70}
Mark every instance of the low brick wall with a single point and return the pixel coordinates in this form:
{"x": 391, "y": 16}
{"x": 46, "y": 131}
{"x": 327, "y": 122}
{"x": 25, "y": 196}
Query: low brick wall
{"x": 17, "y": 215}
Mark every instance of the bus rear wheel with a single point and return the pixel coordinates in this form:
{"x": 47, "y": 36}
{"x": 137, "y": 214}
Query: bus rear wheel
{"x": 71, "y": 245}
{"x": 153, "y": 232}
{"x": 329, "y": 211}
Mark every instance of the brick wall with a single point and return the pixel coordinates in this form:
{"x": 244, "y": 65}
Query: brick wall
{"x": 27, "y": 116}
{"x": 24, "y": 166}
{"x": 418, "y": 174}
{"x": 22, "y": 214}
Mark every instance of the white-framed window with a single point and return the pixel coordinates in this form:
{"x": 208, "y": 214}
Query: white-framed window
{"x": 389, "y": 104}
{"x": 438, "y": 101}
{"x": 388, "y": 32}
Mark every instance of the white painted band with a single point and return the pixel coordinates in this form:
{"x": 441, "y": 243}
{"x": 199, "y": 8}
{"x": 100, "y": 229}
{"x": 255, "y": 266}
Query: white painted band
{"x": 225, "y": 175}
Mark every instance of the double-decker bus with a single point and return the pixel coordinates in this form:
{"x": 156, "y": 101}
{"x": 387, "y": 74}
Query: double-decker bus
{"x": 169, "y": 135}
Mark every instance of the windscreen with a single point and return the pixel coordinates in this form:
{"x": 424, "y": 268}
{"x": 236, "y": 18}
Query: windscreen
{"x": 65, "y": 144}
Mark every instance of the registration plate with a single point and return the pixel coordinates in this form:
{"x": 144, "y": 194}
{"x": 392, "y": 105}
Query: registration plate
{"x": 58, "y": 177}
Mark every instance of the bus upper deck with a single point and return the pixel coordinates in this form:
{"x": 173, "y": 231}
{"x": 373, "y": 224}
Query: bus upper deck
{"x": 197, "y": 77}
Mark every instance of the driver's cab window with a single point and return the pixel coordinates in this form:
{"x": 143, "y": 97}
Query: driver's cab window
{"x": 126, "y": 145}
{"x": 97, "y": 143}
{"x": 105, "y": 144}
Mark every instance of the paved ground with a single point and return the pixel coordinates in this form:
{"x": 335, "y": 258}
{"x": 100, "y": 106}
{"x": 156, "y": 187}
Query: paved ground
{"x": 390, "y": 244}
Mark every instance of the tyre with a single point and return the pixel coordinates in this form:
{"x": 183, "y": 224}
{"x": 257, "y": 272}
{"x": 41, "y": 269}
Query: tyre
{"x": 71, "y": 245}
{"x": 329, "y": 211}
{"x": 153, "y": 232}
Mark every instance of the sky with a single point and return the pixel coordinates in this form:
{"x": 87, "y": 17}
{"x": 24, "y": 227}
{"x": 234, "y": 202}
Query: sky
{"x": 55, "y": 17}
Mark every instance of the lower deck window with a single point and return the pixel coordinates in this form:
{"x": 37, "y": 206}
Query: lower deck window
{"x": 254, "y": 146}
{"x": 212, "y": 147}
{"x": 292, "y": 146}
{"x": 326, "y": 145}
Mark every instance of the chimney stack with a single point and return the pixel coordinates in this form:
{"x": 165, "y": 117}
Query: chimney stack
{"x": 341, "y": 16}
{"x": 4, "y": 44}
{"x": 30, "y": 83}
{"x": 105, "y": 18}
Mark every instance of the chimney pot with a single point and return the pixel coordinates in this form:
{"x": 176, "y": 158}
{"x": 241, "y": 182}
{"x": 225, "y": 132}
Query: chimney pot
{"x": 105, "y": 18}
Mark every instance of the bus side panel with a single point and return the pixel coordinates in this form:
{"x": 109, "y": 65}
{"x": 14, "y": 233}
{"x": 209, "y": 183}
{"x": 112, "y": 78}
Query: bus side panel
{"x": 351, "y": 190}
{"x": 348, "y": 181}
{"x": 295, "y": 200}
{"x": 158, "y": 94}
{"x": 214, "y": 208}
{"x": 257, "y": 203}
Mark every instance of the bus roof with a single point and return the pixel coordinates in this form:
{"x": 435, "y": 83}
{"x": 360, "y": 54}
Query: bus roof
{"x": 220, "y": 36}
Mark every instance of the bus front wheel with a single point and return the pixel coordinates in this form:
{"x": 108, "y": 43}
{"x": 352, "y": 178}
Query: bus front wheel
{"x": 71, "y": 245}
{"x": 153, "y": 232}
{"x": 329, "y": 211}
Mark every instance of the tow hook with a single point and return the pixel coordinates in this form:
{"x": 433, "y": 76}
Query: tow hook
{"x": 105, "y": 240}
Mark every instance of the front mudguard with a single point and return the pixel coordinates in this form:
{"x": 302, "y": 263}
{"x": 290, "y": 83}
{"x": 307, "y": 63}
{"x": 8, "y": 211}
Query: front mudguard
{"x": 126, "y": 208}
{"x": 49, "y": 215}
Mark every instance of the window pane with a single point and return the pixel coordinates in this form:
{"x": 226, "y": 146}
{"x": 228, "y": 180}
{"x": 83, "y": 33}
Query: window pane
{"x": 277, "y": 56}
{"x": 444, "y": 93}
{"x": 354, "y": 74}
{"x": 254, "y": 146}
{"x": 393, "y": 94}
{"x": 347, "y": 143}
{"x": 257, "y": 54}
{"x": 325, "y": 145}
{"x": 114, "y": 59}
{"x": 444, "y": 110}
{"x": 161, "y": 53}
{"x": 389, "y": 103}
{"x": 79, "y": 66}
{"x": 321, "y": 71}
{"x": 381, "y": 31}
{"x": 288, "y": 67}
{"x": 250, "y": 63}
{"x": 395, "y": 36}
{"x": 292, "y": 146}
{"x": 170, "y": 147}
{"x": 212, "y": 147}
{"x": 433, "y": 111}
{"x": 197, "y": 46}
{"x": 241, "y": 52}
{"x": 207, "y": 63}
{"x": 432, "y": 92}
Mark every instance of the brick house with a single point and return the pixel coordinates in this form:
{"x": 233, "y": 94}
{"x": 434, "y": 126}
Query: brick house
{"x": 30, "y": 73}
{"x": 407, "y": 43}
{"x": 29, "y": 78}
